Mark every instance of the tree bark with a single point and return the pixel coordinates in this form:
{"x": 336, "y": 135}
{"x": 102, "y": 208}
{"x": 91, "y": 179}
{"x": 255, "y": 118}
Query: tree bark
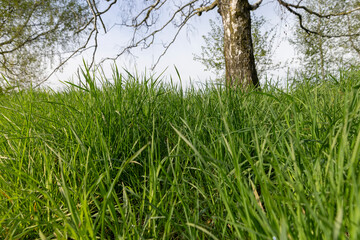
{"x": 238, "y": 46}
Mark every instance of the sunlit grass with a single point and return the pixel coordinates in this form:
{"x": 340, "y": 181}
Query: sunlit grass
{"x": 140, "y": 159}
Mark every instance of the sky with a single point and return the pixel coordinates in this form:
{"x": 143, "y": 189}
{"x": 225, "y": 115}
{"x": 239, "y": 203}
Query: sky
{"x": 180, "y": 54}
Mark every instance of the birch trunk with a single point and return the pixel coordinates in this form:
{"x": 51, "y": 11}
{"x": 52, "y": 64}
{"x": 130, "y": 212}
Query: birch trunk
{"x": 238, "y": 47}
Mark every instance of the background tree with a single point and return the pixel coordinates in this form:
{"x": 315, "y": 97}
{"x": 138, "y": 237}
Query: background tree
{"x": 320, "y": 54}
{"x": 36, "y": 33}
{"x": 212, "y": 54}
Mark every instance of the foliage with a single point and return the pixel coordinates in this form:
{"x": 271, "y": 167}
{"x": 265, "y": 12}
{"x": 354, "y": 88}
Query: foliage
{"x": 212, "y": 55}
{"x": 323, "y": 55}
{"x": 34, "y": 32}
{"x": 138, "y": 158}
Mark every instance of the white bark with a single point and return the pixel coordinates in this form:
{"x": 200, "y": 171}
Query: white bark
{"x": 238, "y": 47}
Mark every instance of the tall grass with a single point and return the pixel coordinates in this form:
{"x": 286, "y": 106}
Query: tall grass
{"x": 140, "y": 159}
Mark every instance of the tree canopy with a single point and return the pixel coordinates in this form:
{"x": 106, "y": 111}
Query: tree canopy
{"x": 34, "y": 32}
{"x": 321, "y": 54}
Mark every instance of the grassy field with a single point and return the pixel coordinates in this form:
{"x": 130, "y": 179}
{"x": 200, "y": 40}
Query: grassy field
{"x": 140, "y": 159}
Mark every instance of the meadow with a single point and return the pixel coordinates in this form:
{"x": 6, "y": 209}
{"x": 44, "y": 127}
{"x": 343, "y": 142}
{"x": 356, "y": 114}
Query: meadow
{"x": 136, "y": 158}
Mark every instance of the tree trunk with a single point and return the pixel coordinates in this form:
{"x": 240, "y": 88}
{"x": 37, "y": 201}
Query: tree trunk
{"x": 238, "y": 47}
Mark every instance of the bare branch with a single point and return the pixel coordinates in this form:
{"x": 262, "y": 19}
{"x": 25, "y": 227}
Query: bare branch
{"x": 290, "y": 8}
{"x": 95, "y": 12}
{"x": 90, "y": 4}
{"x": 98, "y": 15}
{"x": 298, "y": 6}
{"x": 84, "y": 47}
{"x": 62, "y": 63}
{"x": 256, "y": 5}
{"x": 210, "y": 7}
{"x": 149, "y": 10}
{"x": 149, "y": 39}
{"x": 173, "y": 40}
{"x": 109, "y": 7}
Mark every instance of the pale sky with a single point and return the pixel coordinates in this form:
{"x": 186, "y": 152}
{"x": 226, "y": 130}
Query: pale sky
{"x": 181, "y": 52}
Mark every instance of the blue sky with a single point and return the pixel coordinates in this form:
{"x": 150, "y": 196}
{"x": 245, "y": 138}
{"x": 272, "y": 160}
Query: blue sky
{"x": 181, "y": 53}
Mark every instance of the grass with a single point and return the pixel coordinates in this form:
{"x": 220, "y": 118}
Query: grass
{"x": 140, "y": 159}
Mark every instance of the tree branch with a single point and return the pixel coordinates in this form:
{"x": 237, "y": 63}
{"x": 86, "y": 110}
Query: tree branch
{"x": 256, "y": 5}
{"x": 149, "y": 10}
{"x": 298, "y": 6}
{"x": 98, "y": 15}
{"x": 62, "y": 63}
{"x": 290, "y": 7}
{"x": 210, "y": 7}
{"x": 185, "y": 11}
{"x": 93, "y": 35}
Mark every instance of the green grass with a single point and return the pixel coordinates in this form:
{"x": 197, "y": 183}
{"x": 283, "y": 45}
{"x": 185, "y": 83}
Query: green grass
{"x": 140, "y": 159}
